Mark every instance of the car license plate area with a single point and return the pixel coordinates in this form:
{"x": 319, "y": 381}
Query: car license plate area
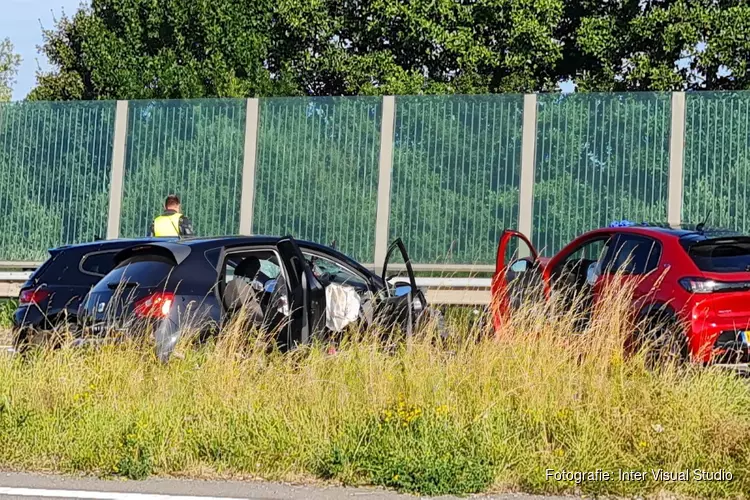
{"x": 104, "y": 330}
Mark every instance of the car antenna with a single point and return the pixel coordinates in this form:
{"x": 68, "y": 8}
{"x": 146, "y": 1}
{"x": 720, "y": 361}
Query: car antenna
{"x": 702, "y": 225}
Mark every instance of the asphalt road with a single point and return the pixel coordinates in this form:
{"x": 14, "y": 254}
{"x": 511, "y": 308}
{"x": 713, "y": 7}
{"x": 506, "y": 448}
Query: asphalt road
{"x": 36, "y": 486}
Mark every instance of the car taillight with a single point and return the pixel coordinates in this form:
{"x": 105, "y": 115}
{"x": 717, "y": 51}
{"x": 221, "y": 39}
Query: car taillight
{"x": 157, "y": 305}
{"x": 703, "y": 285}
{"x": 33, "y": 296}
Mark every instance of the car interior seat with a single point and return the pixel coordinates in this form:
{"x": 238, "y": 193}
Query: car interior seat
{"x": 240, "y": 294}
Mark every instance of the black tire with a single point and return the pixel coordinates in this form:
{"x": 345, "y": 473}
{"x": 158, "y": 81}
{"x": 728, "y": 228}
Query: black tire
{"x": 32, "y": 338}
{"x": 434, "y": 316}
{"x": 662, "y": 339}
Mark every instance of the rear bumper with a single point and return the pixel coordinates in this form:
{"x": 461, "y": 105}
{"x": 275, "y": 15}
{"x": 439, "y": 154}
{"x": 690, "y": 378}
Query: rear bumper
{"x": 164, "y": 333}
{"x": 28, "y": 317}
{"x": 741, "y": 369}
{"x": 718, "y": 344}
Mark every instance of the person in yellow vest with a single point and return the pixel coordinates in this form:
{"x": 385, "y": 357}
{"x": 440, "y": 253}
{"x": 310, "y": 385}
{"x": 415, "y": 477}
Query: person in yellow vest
{"x": 171, "y": 222}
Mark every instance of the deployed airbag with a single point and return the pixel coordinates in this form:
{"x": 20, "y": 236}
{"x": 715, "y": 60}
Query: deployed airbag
{"x": 342, "y": 306}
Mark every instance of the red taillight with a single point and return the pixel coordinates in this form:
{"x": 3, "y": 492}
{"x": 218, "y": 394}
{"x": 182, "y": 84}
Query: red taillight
{"x": 33, "y": 296}
{"x": 703, "y": 285}
{"x": 156, "y": 305}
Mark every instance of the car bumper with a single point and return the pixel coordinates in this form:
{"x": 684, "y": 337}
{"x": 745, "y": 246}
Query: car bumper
{"x": 27, "y": 317}
{"x": 164, "y": 333}
{"x": 739, "y": 369}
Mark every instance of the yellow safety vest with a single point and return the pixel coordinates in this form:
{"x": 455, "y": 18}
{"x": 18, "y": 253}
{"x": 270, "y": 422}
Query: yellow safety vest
{"x": 167, "y": 225}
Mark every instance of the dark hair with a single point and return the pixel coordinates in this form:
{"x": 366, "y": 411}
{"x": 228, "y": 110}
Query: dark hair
{"x": 172, "y": 200}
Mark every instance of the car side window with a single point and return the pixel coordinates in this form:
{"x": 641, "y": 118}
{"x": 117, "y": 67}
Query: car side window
{"x": 635, "y": 255}
{"x": 590, "y": 251}
{"x": 329, "y": 271}
{"x": 99, "y": 263}
{"x": 263, "y": 265}
{"x": 253, "y": 280}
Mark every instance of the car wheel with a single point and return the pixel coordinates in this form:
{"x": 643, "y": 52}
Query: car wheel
{"x": 434, "y": 317}
{"x": 31, "y": 338}
{"x": 662, "y": 339}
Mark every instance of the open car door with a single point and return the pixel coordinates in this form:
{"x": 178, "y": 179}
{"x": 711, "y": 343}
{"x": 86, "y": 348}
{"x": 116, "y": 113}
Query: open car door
{"x": 403, "y": 300}
{"x": 518, "y": 275}
{"x": 306, "y": 295}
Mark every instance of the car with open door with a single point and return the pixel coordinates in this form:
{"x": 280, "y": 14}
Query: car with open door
{"x": 299, "y": 290}
{"x": 691, "y": 285}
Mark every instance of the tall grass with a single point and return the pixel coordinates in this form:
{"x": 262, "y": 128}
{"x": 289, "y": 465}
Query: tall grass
{"x": 481, "y": 411}
{"x": 6, "y": 313}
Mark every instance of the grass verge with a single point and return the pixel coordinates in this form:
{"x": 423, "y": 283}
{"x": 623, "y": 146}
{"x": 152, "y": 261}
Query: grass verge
{"x": 482, "y": 412}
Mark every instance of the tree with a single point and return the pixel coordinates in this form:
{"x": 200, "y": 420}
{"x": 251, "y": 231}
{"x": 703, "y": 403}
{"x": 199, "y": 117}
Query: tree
{"x": 138, "y": 49}
{"x": 9, "y": 62}
{"x": 656, "y": 44}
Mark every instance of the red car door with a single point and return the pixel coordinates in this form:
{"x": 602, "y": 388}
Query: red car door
{"x": 632, "y": 263}
{"x": 516, "y": 260}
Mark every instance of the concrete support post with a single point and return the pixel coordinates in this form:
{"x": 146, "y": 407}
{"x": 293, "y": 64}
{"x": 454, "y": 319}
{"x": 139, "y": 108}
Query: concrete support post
{"x": 528, "y": 160}
{"x": 384, "y": 181}
{"x": 118, "y": 170}
{"x": 247, "y": 201}
{"x": 676, "y": 158}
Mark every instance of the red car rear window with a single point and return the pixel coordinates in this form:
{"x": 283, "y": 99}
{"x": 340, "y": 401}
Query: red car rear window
{"x": 722, "y": 256}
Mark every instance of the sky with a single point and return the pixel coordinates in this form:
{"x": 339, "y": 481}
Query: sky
{"x": 22, "y": 22}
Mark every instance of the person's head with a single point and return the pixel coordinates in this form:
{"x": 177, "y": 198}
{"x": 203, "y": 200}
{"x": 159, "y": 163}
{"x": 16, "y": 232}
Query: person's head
{"x": 172, "y": 203}
{"x": 248, "y": 268}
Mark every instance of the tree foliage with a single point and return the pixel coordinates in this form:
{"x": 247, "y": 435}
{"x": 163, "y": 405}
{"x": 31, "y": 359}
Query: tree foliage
{"x": 657, "y": 44}
{"x": 9, "y": 62}
{"x": 142, "y": 49}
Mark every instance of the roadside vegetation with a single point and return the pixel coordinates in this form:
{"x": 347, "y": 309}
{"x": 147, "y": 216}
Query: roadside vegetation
{"x": 475, "y": 413}
{"x": 6, "y": 314}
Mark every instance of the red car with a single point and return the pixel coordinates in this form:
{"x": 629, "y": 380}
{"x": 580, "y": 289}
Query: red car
{"x": 695, "y": 280}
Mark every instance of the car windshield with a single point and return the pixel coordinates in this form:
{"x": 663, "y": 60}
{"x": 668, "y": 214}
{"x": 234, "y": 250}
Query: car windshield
{"x": 722, "y": 256}
{"x": 143, "y": 270}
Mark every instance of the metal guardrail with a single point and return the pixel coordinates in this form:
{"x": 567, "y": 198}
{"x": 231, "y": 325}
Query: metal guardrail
{"x": 9, "y": 264}
{"x": 439, "y": 290}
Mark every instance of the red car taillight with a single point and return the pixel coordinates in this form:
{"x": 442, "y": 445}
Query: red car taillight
{"x": 33, "y": 296}
{"x": 157, "y": 305}
{"x": 702, "y": 285}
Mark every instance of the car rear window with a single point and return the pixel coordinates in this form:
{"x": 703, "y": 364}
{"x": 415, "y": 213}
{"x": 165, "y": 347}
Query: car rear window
{"x": 145, "y": 270}
{"x": 722, "y": 256}
{"x": 39, "y": 271}
{"x": 98, "y": 263}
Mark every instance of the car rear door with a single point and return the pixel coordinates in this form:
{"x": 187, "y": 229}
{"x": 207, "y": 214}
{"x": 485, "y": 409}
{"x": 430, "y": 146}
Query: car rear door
{"x": 632, "y": 262}
{"x": 517, "y": 274}
{"x": 402, "y": 300}
{"x": 307, "y": 298}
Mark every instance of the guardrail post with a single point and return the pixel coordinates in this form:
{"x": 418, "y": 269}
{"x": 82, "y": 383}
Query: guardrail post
{"x": 118, "y": 170}
{"x": 528, "y": 160}
{"x": 387, "y": 125}
{"x": 676, "y": 158}
{"x": 247, "y": 200}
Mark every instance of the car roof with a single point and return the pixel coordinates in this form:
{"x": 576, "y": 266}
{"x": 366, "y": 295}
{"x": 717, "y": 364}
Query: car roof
{"x": 104, "y": 244}
{"x": 203, "y": 244}
{"x": 214, "y": 241}
{"x": 684, "y": 232}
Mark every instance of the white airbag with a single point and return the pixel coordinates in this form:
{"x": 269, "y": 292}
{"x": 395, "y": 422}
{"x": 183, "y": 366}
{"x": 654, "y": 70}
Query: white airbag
{"x": 342, "y": 306}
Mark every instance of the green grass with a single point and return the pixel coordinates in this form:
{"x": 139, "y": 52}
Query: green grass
{"x": 484, "y": 412}
{"x": 6, "y": 313}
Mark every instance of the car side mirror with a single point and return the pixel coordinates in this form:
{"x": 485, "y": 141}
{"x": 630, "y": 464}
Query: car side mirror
{"x": 591, "y": 274}
{"x": 401, "y": 289}
{"x": 520, "y": 266}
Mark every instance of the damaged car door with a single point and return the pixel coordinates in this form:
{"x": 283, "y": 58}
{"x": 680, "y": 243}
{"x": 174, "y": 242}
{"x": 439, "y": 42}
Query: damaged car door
{"x": 307, "y": 297}
{"x": 403, "y": 302}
